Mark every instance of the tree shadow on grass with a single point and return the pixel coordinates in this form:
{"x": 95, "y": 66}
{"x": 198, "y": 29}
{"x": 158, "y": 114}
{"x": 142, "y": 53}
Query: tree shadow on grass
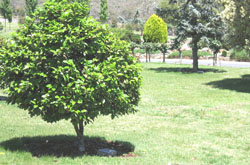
{"x": 235, "y": 84}
{"x": 63, "y": 146}
{"x": 185, "y": 70}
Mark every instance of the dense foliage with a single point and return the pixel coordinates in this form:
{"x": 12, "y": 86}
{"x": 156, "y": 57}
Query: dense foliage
{"x": 188, "y": 54}
{"x": 239, "y": 54}
{"x": 127, "y": 35}
{"x": 63, "y": 64}
{"x": 155, "y": 30}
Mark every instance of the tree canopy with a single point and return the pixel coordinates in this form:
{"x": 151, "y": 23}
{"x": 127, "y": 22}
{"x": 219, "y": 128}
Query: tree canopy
{"x": 62, "y": 64}
{"x": 155, "y": 30}
{"x": 199, "y": 19}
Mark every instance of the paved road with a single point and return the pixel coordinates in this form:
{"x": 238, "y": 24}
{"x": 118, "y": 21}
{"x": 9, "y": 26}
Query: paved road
{"x": 205, "y": 62}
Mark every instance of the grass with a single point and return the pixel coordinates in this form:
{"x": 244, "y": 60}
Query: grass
{"x": 183, "y": 118}
{"x": 188, "y": 54}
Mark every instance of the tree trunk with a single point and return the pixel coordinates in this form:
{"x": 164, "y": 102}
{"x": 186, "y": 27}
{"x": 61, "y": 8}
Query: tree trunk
{"x": 195, "y": 56}
{"x": 149, "y": 57}
{"x": 5, "y": 25}
{"x": 146, "y": 55}
{"x": 164, "y": 57}
{"x": 180, "y": 52}
{"x": 215, "y": 59}
{"x": 79, "y": 131}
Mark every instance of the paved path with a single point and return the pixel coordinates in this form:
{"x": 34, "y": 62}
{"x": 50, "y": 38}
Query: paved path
{"x": 204, "y": 62}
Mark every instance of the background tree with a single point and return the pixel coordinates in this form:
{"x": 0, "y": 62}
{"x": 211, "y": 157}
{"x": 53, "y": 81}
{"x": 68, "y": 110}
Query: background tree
{"x": 9, "y": 17}
{"x": 30, "y": 6}
{"x": 236, "y": 14}
{"x": 136, "y": 22}
{"x": 6, "y": 10}
{"x": 104, "y": 11}
{"x": 155, "y": 31}
{"x": 199, "y": 19}
{"x": 169, "y": 11}
{"x": 74, "y": 72}
{"x": 129, "y": 36}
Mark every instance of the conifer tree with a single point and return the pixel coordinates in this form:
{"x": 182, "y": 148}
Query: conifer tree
{"x": 104, "y": 11}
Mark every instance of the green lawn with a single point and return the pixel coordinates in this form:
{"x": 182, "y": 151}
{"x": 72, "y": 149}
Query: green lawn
{"x": 183, "y": 118}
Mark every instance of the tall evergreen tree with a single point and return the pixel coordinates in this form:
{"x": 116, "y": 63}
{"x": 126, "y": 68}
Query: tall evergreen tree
{"x": 30, "y": 6}
{"x": 6, "y": 10}
{"x": 104, "y": 11}
{"x": 199, "y": 19}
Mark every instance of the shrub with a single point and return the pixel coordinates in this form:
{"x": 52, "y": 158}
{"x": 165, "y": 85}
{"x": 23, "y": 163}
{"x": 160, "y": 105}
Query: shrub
{"x": 127, "y": 35}
{"x": 71, "y": 68}
{"x": 131, "y": 37}
{"x": 239, "y": 54}
{"x": 224, "y": 53}
{"x": 129, "y": 27}
{"x": 188, "y": 54}
{"x": 155, "y": 30}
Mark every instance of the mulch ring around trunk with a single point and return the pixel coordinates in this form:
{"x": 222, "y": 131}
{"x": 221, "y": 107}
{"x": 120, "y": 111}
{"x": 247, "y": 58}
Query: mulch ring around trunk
{"x": 66, "y": 147}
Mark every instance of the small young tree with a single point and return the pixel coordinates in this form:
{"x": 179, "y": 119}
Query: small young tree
{"x": 104, "y": 11}
{"x": 6, "y": 10}
{"x": 155, "y": 31}
{"x": 30, "y": 6}
{"x": 215, "y": 45}
{"x": 71, "y": 68}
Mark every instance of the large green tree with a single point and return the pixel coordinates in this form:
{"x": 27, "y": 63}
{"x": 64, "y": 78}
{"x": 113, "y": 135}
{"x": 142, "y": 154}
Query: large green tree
{"x": 199, "y": 19}
{"x": 71, "y": 68}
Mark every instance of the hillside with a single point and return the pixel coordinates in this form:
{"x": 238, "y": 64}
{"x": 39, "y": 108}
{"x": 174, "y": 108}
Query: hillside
{"x": 124, "y": 8}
